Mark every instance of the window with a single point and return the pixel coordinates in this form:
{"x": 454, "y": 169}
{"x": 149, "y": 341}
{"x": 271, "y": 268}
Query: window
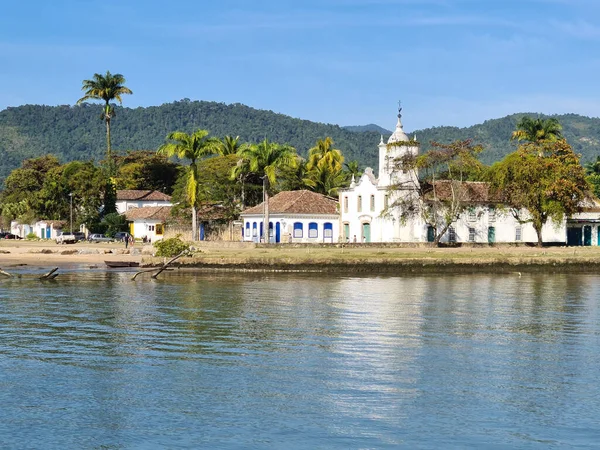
{"x": 518, "y": 234}
{"x": 492, "y": 214}
{"x": 385, "y": 201}
{"x": 150, "y": 227}
{"x": 359, "y": 204}
{"x": 472, "y": 215}
{"x": 346, "y": 204}
{"x": 372, "y": 203}
{"x": 159, "y": 228}
{"x": 471, "y": 234}
{"x": 313, "y": 230}
{"x": 247, "y": 229}
{"x": 298, "y": 229}
{"x": 254, "y": 230}
{"x": 451, "y": 234}
{"x": 328, "y": 230}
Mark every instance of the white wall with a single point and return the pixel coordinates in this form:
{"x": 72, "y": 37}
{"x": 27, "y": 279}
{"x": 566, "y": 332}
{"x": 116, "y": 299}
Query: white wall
{"x": 126, "y": 205}
{"x": 286, "y": 223}
{"x": 146, "y": 227}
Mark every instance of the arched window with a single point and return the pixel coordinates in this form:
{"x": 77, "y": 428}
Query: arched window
{"x": 247, "y": 229}
{"x": 298, "y": 229}
{"x": 313, "y": 231}
{"x": 254, "y": 229}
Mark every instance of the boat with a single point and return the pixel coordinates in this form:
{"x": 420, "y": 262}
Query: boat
{"x": 115, "y": 264}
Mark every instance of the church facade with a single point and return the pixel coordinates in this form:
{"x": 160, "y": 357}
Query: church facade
{"x": 368, "y": 214}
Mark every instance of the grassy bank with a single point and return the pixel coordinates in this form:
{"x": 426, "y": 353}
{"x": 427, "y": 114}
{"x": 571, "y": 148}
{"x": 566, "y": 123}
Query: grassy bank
{"x": 392, "y": 260}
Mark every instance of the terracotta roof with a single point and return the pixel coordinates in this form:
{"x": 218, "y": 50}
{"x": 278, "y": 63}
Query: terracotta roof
{"x": 137, "y": 194}
{"x": 469, "y": 191}
{"x": 298, "y": 202}
{"x": 58, "y": 224}
{"x": 151, "y": 212}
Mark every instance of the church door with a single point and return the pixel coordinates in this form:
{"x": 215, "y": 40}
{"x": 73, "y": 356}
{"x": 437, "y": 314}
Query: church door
{"x": 366, "y": 232}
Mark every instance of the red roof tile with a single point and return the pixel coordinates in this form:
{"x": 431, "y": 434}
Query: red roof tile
{"x": 297, "y": 202}
{"x": 150, "y": 212}
{"x": 138, "y": 194}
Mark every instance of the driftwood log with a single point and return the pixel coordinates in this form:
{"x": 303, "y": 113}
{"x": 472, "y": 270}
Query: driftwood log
{"x": 47, "y": 276}
{"x": 162, "y": 268}
{"x": 50, "y": 275}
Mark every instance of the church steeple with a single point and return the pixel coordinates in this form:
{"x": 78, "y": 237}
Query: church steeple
{"x": 398, "y": 135}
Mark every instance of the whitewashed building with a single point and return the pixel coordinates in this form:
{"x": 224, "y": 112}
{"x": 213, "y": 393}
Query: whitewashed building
{"x": 294, "y": 217}
{"x": 365, "y": 217}
{"x": 134, "y": 198}
{"x": 148, "y": 222}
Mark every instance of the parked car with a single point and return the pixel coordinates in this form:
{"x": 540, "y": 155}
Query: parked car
{"x": 79, "y": 235}
{"x": 66, "y": 238}
{"x": 98, "y": 238}
{"x": 121, "y": 235}
{"x": 11, "y": 236}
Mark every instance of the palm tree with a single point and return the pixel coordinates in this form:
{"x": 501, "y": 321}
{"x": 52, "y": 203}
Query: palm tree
{"x": 192, "y": 147}
{"x": 537, "y": 130}
{"x": 108, "y": 88}
{"x": 323, "y": 154}
{"x": 353, "y": 169}
{"x": 325, "y": 181}
{"x": 230, "y": 146}
{"x": 266, "y": 159}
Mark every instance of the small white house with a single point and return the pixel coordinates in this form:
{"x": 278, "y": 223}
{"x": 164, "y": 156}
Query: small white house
{"x": 49, "y": 229}
{"x": 294, "y": 216}
{"x": 148, "y": 222}
{"x": 133, "y": 198}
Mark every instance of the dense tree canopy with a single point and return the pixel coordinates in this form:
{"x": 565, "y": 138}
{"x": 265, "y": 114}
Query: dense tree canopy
{"x": 540, "y": 181}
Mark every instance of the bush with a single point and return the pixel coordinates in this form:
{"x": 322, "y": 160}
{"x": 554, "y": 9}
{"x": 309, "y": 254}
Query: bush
{"x": 31, "y": 237}
{"x": 171, "y": 247}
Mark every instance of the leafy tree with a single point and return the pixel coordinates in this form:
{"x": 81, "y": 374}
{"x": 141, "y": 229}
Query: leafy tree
{"x": 441, "y": 194}
{"x": 146, "y": 170}
{"x": 230, "y": 146}
{"x": 537, "y": 130}
{"x": 592, "y": 170}
{"x": 113, "y": 223}
{"x": 540, "y": 181}
{"x": 192, "y": 147}
{"x": 266, "y": 160}
{"x": 107, "y": 88}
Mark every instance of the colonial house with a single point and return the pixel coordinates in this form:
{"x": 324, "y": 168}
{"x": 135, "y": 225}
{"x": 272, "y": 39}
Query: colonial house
{"x": 133, "y": 198}
{"x": 367, "y": 212}
{"x": 148, "y": 221}
{"x": 294, "y": 216}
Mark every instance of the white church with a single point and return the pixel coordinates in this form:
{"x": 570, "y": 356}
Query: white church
{"x": 365, "y": 216}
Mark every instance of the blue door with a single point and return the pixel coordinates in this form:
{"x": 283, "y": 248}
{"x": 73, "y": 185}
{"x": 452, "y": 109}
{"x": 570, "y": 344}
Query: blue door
{"x": 277, "y": 232}
{"x": 201, "y": 231}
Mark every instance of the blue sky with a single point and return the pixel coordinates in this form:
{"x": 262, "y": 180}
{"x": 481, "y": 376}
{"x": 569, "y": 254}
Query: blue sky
{"x": 451, "y": 62}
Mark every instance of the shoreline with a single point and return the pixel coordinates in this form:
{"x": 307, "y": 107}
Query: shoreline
{"x": 214, "y": 256}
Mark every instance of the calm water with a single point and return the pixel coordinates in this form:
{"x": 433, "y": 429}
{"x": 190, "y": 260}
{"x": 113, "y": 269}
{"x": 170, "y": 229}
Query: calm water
{"x": 280, "y": 361}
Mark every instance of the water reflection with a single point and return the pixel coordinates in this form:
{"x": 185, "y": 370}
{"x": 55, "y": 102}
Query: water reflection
{"x": 300, "y": 360}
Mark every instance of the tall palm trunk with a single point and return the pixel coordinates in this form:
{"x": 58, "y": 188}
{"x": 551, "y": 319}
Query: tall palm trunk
{"x": 194, "y": 223}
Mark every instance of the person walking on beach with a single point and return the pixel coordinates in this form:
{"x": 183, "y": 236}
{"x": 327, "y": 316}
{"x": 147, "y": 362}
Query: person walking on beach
{"x": 126, "y": 239}
{"x": 131, "y": 241}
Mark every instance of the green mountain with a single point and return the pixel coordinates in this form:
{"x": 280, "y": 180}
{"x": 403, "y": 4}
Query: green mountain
{"x": 77, "y": 132}
{"x": 368, "y": 127}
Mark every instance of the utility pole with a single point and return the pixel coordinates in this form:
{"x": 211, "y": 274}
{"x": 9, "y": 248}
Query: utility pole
{"x": 71, "y": 196}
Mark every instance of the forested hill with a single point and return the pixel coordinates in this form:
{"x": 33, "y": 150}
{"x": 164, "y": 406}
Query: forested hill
{"x": 77, "y": 132}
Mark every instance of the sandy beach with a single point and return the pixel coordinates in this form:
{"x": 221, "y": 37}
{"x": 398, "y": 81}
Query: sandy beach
{"x": 49, "y": 254}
